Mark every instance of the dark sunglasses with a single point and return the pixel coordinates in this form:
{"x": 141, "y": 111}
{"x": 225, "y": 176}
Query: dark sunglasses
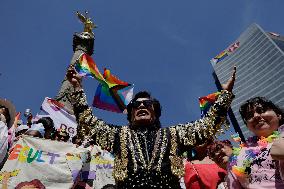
{"x": 147, "y": 103}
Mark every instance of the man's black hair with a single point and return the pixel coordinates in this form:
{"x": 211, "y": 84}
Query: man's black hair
{"x": 156, "y": 105}
{"x": 265, "y": 103}
{"x": 48, "y": 125}
{"x": 47, "y": 122}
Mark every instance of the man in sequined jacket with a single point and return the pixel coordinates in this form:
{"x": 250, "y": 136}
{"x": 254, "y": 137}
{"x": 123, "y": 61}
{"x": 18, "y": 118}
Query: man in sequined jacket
{"x": 146, "y": 155}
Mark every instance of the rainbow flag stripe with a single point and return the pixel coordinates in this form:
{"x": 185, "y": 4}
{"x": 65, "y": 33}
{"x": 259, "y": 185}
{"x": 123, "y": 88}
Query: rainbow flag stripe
{"x": 86, "y": 66}
{"x": 206, "y": 102}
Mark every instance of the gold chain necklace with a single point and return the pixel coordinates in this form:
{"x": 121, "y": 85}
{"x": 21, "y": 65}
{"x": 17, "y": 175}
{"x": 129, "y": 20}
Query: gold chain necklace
{"x": 154, "y": 152}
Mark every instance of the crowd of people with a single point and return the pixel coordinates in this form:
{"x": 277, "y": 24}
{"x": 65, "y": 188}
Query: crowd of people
{"x": 147, "y": 155}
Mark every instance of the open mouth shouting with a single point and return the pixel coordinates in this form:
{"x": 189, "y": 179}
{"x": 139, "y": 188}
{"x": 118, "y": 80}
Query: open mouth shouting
{"x": 143, "y": 112}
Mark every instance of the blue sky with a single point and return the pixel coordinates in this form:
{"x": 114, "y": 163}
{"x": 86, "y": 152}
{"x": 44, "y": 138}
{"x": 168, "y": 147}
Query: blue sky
{"x": 162, "y": 46}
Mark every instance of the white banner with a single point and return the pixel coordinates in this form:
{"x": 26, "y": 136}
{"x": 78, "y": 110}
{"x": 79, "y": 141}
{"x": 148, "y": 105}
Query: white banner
{"x": 96, "y": 173}
{"x": 56, "y": 165}
{"x": 59, "y": 115}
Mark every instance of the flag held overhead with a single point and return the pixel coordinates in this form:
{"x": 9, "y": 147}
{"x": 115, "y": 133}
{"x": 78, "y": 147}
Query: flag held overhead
{"x": 112, "y": 94}
{"x": 206, "y": 102}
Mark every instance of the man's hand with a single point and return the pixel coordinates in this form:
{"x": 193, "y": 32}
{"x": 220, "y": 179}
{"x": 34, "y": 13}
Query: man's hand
{"x": 74, "y": 78}
{"x": 230, "y": 83}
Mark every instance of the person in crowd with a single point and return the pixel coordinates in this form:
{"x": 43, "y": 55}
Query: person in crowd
{"x": 7, "y": 117}
{"x": 220, "y": 152}
{"x": 29, "y": 116}
{"x": 36, "y": 130}
{"x": 21, "y": 129}
{"x": 42, "y": 128}
{"x": 77, "y": 141}
{"x": 109, "y": 186}
{"x": 200, "y": 171}
{"x": 7, "y": 112}
{"x": 34, "y": 184}
{"x": 147, "y": 155}
{"x": 251, "y": 165}
{"x": 49, "y": 129}
{"x": 62, "y": 135}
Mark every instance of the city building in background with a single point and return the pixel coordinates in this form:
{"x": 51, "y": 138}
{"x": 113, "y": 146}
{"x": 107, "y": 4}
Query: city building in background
{"x": 259, "y": 58}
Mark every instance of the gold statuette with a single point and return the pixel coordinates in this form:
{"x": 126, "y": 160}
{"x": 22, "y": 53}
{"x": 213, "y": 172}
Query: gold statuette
{"x": 88, "y": 23}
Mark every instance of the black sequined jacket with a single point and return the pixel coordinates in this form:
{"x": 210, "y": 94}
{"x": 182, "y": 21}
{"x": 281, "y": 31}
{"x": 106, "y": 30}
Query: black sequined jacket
{"x": 148, "y": 157}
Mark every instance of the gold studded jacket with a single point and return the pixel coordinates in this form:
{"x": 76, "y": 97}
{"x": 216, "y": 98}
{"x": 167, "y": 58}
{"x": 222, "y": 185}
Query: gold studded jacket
{"x": 156, "y": 150}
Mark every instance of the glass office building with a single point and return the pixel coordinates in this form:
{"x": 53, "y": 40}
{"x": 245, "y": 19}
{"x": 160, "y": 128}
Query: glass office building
{"x": 259, "y": 58}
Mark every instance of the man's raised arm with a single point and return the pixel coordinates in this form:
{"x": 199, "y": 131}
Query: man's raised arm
{"x": 197, "y": 132}
{"x": 89, "y": 126}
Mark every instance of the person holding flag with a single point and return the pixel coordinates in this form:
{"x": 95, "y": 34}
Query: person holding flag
{"x": 147, "y": 155}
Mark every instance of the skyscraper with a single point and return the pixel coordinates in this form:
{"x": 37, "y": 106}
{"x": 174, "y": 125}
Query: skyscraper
{"x": 259, "y": 58}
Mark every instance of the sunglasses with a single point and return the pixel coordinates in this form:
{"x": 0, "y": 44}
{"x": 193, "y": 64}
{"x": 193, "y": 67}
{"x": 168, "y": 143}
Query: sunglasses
{"x": 146, "y": 103}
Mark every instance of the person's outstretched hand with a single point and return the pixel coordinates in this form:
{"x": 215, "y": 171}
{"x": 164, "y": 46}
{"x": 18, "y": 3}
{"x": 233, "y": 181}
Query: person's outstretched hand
{"x": 230, "y": 83}
{"x": 74, "y": 78}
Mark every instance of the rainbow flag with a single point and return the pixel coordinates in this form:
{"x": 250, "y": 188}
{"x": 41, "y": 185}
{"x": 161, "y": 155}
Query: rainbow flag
{"x": 112, "y": 94}
{"x": 113, "y": 99}
{"x": 219, "y": 57}
{"x": 86, "y": 66}
{"x": 206, "y": 102}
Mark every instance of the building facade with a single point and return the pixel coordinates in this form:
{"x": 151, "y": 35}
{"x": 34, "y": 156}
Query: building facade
{"x": 259, "y": 58}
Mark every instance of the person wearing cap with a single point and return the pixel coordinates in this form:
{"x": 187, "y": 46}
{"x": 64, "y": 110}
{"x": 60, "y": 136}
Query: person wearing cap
{"x": 7, "y": 116}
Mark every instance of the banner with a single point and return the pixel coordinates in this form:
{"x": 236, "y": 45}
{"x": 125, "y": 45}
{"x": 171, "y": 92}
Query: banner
{"x": 55, "y": 165}
{"x": 96, "y": 173}
{"x": 59, "y": 115}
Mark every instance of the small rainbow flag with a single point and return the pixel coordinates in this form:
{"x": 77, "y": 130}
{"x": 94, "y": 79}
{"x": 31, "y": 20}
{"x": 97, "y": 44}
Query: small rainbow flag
{"x": 219, "y": 57}
{"x": 112, "y": 94}
{"x": 113, "y": 99}
{"x": 206, "y": 102}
